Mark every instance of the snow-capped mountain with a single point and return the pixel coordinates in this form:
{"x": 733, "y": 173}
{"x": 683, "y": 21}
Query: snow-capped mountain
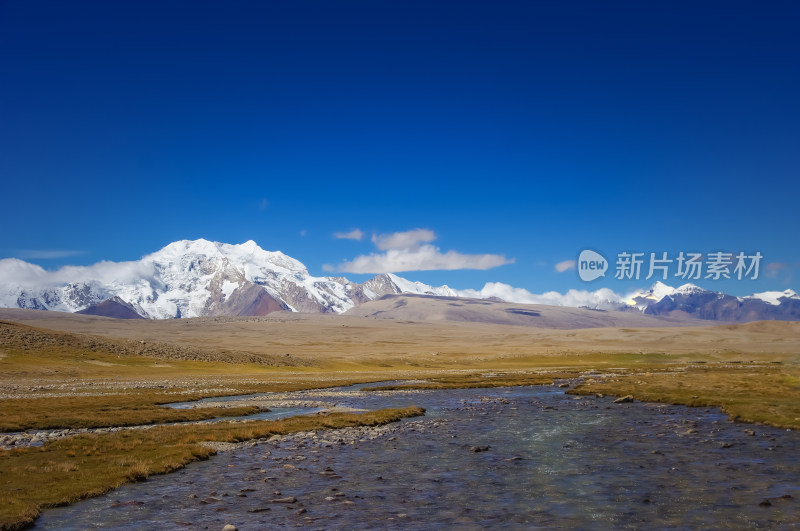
{"x": 644, "y": 298}
{"x": 774, "y": 297}
{"x": 202, "y": 278}
{"x": 186, "y": 279}
{"x": 191, "y": 279}
{"x": 694, "y": 301}
{"x": 641, "y": 299}
{"x": 389, "y": 284}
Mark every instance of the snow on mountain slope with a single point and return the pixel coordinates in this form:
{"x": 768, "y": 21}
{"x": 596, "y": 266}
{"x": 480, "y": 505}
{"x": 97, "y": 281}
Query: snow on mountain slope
{"x": 407, "y": 286}
{"x": 688, "y": 289}
{"x": 642, "y": 298}
{"x": 24, "y": 285}
{"x": 203, "y": 278}
{"x": 659, "y": 290}
{"x": 773, "y": 297}
{"x": 184, "y": 279}
{"x": 693, "y": 301}
{"x": 390, "y": 284}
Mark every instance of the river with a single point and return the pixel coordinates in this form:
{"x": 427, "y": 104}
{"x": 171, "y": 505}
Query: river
{"x": 515, "y": 458}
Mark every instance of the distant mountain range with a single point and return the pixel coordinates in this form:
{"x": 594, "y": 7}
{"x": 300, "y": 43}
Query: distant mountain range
{"x": 202, "y": 278}
{"x": 693, "y": 301}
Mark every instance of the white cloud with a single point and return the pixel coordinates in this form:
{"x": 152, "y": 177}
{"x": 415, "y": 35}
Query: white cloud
{"x": 602, "y": 298}
{"x": 106, "y": 272}
{"x": 46, "y": 254}
{"x": 15, "y": 271}
{"x": 411, "y": 251}
{"x": 403, "y": 240}
{"x": 354, "y": 234}
{"x": 21, "y": 273}
{"x": 566, "y": 265}
{"x": 424, "y": 258}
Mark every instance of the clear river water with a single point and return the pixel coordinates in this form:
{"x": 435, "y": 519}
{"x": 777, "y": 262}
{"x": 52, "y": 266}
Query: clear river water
{"x": 512, "y": 458}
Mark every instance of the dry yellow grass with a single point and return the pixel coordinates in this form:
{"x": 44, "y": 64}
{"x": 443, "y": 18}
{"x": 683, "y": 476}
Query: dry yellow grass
{"x": 362, "y": 344}
{"x": 764, "y": 393}
{"x": 130, "y": 409}
{"x": 479, "y": 381}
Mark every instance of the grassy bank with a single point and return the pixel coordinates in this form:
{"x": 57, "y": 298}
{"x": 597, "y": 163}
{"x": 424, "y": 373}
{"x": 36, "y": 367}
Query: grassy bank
{"x": 472, "y": 381}
{"x": 75, "y": 468}
{"x": 132, "y": 407}
{"x": 764, "y": 393}
{"x": 97, "y": 412}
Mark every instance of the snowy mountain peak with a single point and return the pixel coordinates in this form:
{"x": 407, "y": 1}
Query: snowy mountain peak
{"x": 407, "y": 286}
{"x": 642, "y": 298}
{"x": 659, "y": 290}
{"x": 689, "y": 288}
{"x": 391, "y": 284}
{"x": 247, "y": 253}
{"x": 774, "y": 297}
{"x": 186, "y": 278}
{"x": 184, "y": 247}
{"x": 191, "y": 278}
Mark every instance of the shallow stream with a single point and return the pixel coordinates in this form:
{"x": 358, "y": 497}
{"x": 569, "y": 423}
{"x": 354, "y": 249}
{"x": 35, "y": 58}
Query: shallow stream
{"x": 517, "y": 458}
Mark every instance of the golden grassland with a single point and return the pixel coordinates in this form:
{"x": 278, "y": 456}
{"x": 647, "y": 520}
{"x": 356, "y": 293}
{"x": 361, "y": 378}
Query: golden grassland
{"x": 479, "y": 381}
{"x": 130, "y": 409}
{"x": 765, "y": 393}
{"x": 346, "y": 343}
{"x": 67, "y": 379}
{"x": 749, "y": 370}
{"x": 67, "y": 470}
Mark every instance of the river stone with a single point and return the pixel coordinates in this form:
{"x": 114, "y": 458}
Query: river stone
{"x": 230, "y": 527}
{"x": 290, "y": 499}
{"x": 624, "y": 399}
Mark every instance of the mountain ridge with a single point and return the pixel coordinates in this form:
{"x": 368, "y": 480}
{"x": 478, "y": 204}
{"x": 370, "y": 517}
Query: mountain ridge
{"x": 435, "y": 308}
{"x": 195, "y": 278}
{"x": 198, "y": 278}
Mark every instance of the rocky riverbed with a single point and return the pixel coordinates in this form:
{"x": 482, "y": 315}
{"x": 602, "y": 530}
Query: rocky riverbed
{"x": 280, "y": 409}
{"x": 522, "y": 458}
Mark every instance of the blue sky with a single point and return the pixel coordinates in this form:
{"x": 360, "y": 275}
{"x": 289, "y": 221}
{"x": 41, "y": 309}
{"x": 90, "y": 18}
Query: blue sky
{"x": 527, "y": 130}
